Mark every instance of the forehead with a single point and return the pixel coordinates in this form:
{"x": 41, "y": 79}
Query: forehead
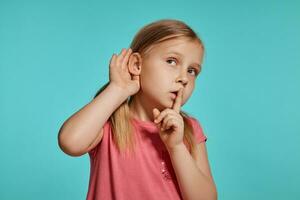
{"x": 180, "y": 46}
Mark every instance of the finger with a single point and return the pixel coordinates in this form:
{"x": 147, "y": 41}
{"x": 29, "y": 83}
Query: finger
{"x": 162, "y": 115}
{"x": 126, "y": 57}
{"x": 112, "y": 60}
{"x": 120, "y": 56}
{"x": 170, "y": 123}
{"x": 165, "y": 121}
{"x": 178, "y": 100}
{"x": 136, "y": 77}
{"x": 122, "y": 51}
{"x": 156, "y": 113}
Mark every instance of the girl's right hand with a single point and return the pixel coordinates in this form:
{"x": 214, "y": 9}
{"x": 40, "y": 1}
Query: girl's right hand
{"x": 120, "y": 75}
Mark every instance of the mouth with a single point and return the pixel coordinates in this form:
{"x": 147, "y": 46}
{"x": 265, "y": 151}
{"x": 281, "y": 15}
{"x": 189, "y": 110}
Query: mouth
{"x": 174, "y": 94}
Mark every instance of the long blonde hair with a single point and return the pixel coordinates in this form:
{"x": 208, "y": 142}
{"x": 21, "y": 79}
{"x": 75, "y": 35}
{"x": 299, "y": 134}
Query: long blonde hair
{"x": 153, "y": 33}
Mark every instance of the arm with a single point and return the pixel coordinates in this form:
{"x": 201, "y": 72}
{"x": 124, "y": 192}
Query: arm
{"x": 85, "y": 126}
{"x": 193, "y": 175}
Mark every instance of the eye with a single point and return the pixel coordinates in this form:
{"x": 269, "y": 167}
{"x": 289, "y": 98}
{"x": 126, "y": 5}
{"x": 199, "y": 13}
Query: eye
{"x": 193, "y": 71}
{"x": 171, "y": 59}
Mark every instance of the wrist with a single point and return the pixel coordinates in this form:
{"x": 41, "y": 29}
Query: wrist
{"x": 176, "y": 148}
{"x": 118, "y": 90}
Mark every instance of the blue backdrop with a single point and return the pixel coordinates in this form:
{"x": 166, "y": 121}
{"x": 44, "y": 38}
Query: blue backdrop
{"x": 54, "y": 55}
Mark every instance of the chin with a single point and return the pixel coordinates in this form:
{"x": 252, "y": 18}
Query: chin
{"x": 163, "y": 105}
{"x": 168, "y": 104}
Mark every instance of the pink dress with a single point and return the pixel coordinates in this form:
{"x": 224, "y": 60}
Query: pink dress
{"x": 148, "y": 175}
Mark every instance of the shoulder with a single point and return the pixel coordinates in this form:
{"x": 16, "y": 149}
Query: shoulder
{"x": 197, "y": 129}
{"x": 93, "y": 148}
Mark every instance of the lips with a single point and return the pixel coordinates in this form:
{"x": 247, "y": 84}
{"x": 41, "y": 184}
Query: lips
{"x": 174, "y": 95}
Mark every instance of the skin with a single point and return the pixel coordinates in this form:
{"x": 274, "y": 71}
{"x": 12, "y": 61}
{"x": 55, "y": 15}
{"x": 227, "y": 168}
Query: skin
{"x": 157, "y": 75}
{"x": 161, "y": 72}
{"x": 148, "y": 79}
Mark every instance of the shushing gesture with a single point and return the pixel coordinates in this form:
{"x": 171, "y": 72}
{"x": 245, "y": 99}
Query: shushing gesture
{"x": 170, "y": 123}
{"x": 119, "y": 73}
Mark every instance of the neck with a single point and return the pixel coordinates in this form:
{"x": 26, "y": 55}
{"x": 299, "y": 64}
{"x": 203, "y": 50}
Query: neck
{"x": 141, "y": 108}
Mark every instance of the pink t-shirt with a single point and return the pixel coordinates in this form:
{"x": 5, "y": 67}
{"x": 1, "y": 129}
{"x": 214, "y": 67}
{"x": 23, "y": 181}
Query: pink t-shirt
{"x": 148, "y": 175}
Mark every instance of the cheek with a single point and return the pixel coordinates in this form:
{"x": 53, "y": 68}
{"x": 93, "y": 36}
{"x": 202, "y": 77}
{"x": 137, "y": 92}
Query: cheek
{"x": 150, "y": 81}
{"x": 187, "y": 94}
{"x": 156, "y": 77}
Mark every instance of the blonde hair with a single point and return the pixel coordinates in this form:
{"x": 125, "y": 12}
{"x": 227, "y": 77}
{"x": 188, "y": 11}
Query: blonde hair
{"x": 153, "y": 33}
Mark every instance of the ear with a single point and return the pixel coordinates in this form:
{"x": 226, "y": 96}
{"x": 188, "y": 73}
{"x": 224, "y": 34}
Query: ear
{"x": 135, "y": 64}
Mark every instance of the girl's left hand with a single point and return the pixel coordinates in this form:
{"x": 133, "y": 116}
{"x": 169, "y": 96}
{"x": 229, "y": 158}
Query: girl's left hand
{"x": 170, "y": 123}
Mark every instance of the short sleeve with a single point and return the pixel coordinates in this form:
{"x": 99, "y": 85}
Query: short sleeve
{"x": 198, "y": 131}
{"x": 94, "y": 151}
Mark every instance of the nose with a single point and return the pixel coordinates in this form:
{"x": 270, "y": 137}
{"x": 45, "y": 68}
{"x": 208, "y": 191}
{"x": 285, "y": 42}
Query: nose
{"x": 182, "y": 79}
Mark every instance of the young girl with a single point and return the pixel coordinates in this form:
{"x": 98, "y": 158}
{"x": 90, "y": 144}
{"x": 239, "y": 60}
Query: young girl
{"x": 142, "y": 146}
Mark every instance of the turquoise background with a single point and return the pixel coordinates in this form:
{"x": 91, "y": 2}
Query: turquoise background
{"x": 54, "y": 55}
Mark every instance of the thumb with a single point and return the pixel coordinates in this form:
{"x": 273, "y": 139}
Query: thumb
{"x": 156, "y": 112}
{"x": 136, "y": 77}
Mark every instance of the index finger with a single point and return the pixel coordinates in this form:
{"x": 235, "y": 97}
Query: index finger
{"x": 178, "y": 100}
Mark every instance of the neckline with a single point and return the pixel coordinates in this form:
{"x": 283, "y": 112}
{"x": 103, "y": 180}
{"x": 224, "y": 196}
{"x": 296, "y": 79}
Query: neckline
{"x": 146, "y": 124}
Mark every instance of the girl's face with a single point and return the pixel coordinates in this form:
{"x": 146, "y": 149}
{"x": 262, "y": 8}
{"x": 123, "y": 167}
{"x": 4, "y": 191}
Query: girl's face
{"x": 167, "y": 67}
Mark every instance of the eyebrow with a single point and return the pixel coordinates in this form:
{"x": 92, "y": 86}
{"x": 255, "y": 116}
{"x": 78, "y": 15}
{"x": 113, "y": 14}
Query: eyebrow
{"x": 175, "y": 52}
